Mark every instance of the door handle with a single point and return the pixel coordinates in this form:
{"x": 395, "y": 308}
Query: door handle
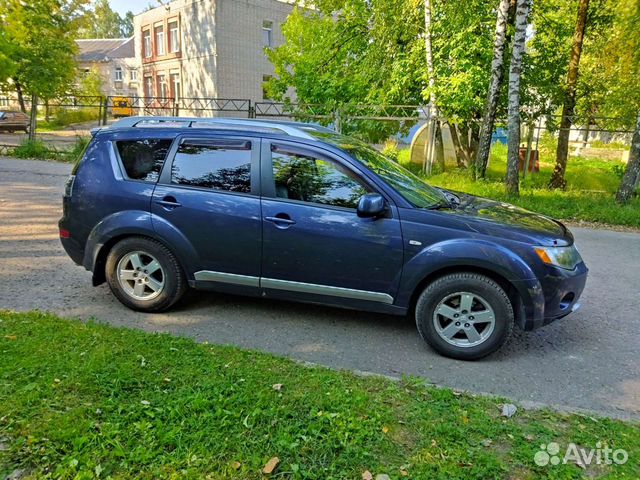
{"x": 169, "y": 202}
{"x": 280, "y": 220}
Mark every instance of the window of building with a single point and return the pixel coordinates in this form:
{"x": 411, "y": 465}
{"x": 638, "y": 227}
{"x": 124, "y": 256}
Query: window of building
{"x": 148, "y": 87}
{"x": 174, "y": 37}
{"x": 143, "y": 159}
{"x": 219, "y": 165}
{"x": 159, "y": 40}
{"x": 315, "y": 180}
{"x": 146, "y": 43}
{"x": 175, "y": 85}
{"x": 267, "y": 29}
{"x": 265, "y": 93}
{"x": 118, "y": 74}
{"x": 133, "y": 74}
{"x": 163, "y": 88}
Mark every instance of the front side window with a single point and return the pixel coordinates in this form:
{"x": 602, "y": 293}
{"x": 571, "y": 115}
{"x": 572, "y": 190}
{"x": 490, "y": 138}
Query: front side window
{"x": 219, "y": 165}
{"x": 146, "y": 44}
{"x": 174, "y": 38}
{"x": 159, "y": 41}
{"x": 310, "y": 179}
{"x": 143, "y": 159}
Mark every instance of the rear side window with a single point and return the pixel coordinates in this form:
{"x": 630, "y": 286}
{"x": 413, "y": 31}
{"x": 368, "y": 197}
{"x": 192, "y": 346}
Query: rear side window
{"x": 143, "y": 159}
{"x": 218, "y": 165}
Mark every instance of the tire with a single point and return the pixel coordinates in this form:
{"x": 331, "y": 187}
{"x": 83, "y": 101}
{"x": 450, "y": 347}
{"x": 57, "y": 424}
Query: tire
{"x": 482, "y": 330}
{"x": 152, "y": 289}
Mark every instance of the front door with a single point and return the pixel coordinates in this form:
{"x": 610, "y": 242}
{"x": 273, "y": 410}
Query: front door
{"x": 313, "y": 240}
{"x": 209, "y": 192}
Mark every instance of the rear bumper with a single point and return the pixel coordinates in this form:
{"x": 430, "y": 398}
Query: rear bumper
{"x": 73, "y": 248}
{"x": 556, "y": 296}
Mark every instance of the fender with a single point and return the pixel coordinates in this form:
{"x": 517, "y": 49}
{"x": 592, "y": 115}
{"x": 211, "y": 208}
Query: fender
{"x": 137, "y": 222}
{"x": 481, "y": 254}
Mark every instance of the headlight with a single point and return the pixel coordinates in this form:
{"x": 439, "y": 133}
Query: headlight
{"x": 563, "y": 257}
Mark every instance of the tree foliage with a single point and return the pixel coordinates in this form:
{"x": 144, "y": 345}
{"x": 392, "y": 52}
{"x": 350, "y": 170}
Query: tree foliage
{"x": 103, "y": 22}
{"x": 41, "y": 57}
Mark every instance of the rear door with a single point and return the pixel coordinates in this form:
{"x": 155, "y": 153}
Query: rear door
{"x": 313, "y": 240}
{"x": 208, "y": 190}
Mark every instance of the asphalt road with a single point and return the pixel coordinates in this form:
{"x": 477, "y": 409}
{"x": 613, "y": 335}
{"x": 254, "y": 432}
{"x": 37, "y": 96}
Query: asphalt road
{"x": 589, "y": 360}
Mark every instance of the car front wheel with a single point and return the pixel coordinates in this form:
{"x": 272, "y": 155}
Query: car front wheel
{"x": 144, "y": 275}
{"x": 464, "y": 315}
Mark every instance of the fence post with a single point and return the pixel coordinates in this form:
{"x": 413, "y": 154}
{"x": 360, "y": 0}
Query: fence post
{"x": 527, "y": 157}
{"x": 251, "y": 112}
{"x": 32, "y": 119}
{"x": 104, "y": 110}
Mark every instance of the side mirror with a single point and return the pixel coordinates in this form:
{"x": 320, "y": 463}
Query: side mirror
{"x": 371, "y": 205}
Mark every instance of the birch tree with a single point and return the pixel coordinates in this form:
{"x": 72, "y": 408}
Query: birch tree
{"x": 497, "y": 75}
{"x": 523, "y": 8}
{"x": 436, "y": 130}
{"x": 568, "y": 107}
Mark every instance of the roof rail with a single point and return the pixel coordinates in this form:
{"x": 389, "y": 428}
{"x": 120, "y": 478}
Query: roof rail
{"x": 287, "y": 128}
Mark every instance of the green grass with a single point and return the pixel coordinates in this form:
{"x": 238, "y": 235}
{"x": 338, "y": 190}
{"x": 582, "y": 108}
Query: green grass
{"x": 61, "y": 118}
{"x": 88, "y": 400}
{"x": 41, "y": 151}
{"x": 591, "y": 187}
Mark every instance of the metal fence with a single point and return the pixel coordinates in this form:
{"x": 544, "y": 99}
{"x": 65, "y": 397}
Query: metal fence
{"x": 60, "y": 121}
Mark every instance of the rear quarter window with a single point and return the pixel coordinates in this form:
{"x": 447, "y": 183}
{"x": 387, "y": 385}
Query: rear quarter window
{"x": 143, "y": 159}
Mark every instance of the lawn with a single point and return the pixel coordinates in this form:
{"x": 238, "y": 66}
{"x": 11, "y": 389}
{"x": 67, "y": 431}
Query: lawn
{"x": 92, "y": 401}
{"x": 589, "y": 197}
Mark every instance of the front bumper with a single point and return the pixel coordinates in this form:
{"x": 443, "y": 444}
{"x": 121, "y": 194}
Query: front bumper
{"x": 556, "y": 296}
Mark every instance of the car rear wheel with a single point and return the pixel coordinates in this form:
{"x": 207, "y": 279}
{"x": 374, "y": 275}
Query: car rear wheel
{"x": 144, "y": 275}
{"x": 464, "y": 315}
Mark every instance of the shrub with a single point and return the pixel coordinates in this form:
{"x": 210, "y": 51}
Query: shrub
{"x": 33, "y": 149}
{"x": 390, "y": 149}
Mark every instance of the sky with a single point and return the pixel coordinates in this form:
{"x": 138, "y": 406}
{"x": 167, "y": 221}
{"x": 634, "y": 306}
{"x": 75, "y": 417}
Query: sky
{"x": 136, "y": 6}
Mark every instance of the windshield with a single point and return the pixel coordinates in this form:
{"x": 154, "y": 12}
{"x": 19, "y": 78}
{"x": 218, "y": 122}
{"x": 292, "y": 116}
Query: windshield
{"x": 411, "y": 187}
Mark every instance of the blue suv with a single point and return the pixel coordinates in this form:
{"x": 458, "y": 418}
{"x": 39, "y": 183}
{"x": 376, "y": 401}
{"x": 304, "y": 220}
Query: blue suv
{"x": 295, "y": 211}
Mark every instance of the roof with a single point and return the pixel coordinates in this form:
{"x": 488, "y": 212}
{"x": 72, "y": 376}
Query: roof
{"x": 104, "y": 49}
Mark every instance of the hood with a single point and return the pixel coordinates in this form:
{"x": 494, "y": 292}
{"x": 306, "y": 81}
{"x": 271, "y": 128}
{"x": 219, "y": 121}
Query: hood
{"x": 491, "y": 217}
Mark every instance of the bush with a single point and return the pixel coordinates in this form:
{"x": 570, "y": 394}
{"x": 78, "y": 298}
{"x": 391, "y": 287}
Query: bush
{"x": 39, "y": 150}
{"x": 33, "y": 149}
{"x": 390, "y": 149}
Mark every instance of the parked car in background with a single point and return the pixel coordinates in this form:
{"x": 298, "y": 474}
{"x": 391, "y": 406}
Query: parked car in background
{"x": 298, "y": 212}
{"x": 14, "y": 121}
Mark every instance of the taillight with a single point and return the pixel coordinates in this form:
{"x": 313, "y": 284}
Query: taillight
{"x": 68, "y": 186}
{"x": 65, "y": 233}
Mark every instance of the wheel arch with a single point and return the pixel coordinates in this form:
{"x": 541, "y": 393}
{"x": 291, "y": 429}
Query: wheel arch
{"x": 508, "y": 286}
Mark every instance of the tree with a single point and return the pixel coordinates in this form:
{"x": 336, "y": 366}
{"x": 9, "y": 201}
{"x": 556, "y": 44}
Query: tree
{"x": 103, "y": 22}
{"x": 126, "y": 24}
{"x": 497, "y": 74}
{"x": 41, "y": 34}
{"x": 515, "y": 69}
{"x": 562, "y": 151}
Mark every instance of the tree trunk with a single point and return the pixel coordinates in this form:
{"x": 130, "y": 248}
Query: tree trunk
{"x": 631, "y": 176}
{"x": 32, "y": 118}
{"x": 515, "y": 69}
{"x": 429, "y": 53}
{"x": 497, "y": 74}
{"x": 453, "y": 130}
{"x": 557, "y": 178}
{"x": 23, "y": 109}
{"x": 439, "y": 147}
